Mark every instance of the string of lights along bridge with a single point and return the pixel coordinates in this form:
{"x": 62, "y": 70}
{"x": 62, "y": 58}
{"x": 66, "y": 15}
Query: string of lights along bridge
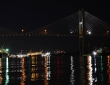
{"x": 68, "y": 26}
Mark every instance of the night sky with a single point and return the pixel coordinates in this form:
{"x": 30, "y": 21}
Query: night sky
{"x": 30, "y": 15}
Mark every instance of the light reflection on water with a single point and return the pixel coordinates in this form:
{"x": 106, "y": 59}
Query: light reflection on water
{"x": 72, "y": 78}
{"x": 54, "y": 70}
{"x": 94, "y": 70}
{"x": 108, "y": 70}
{"x": 23, "y": 76}
{"x": 89, "y": 71}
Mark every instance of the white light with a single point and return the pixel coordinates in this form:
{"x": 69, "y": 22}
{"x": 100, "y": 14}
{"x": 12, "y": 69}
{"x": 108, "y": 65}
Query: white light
{"x": 95, "y": 69}
{"x": 47, "y": 53}
{"x": 89, "y": 32}
{"x": 71, "y": 32}
{"x": 80, "y": 22}
{"x": 94, "y": 53}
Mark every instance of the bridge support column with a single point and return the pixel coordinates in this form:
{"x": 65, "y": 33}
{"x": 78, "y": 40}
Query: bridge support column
{"x": 81, "y": 48}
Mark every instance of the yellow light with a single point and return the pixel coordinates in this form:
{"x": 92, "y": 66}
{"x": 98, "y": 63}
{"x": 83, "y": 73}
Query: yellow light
{"x": 107, "y": 32}
{"x": 22, "y": 30}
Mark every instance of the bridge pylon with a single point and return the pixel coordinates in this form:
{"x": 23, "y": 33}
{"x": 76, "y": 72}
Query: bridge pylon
{"x": 81, "y": 46}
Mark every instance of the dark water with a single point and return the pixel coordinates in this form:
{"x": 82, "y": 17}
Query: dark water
{"x": 61, "y": 69}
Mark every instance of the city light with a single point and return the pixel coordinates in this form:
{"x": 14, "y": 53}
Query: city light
{"x": 94, "y": 53}
{"x": 19, "y": 55}
{"x": 71, "y": 32}
{"x": 7, "y": 49}
{"x": 80, "y": 22}
{"x": 89, "y": 32}
{"x": 45, "y": 30}
{"x": 46, "y": 54}
{"x": 22, "y": 30}
{"x": 107, "y": 32}
{"x": 4, "y": 51}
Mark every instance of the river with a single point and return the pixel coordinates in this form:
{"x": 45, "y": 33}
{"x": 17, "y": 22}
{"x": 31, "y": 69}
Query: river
{"x": 56, "y": 69}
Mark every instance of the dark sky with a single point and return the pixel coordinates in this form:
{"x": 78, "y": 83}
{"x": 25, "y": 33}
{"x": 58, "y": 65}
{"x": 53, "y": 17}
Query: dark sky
{"x": 30, "y": 15}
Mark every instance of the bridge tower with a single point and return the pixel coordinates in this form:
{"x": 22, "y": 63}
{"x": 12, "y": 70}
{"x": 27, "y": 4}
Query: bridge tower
{"x": 81, "y": 32}
{"x": 81, "y": 47}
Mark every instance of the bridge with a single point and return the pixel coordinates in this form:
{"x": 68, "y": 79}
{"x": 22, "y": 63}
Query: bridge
{"x": 80, "y": 24}
{"x": 68, "y": 26}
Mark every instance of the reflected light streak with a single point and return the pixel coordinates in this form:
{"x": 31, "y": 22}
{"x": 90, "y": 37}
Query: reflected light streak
{"x": 33, "y": 77}
{"x": 23, "y": 73}
{"x": 1, "y": 79}
{"x": 1, "y": 71}
{"x": 47, "y": 70}
{"x": 89, "y": 73}
{"x": 34, "y": 74}
{"x": 0, "y": 65}
{"x": 46, "y": 82}
{"x": 72, "y": 79}
{"x": 102, "y": 78}
{"x": 33, "y": 60}
{"x": 7, "y": 76}
{"x": 47, "y": 67}
{"x": 95, "y": 69}
{"x": 108, "y": 70}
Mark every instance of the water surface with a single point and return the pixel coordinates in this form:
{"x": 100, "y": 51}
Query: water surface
{"x": 57, "y": 69}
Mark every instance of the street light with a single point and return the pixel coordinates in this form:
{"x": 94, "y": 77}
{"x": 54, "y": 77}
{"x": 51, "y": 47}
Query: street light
{"x": 45, "y": 31}
{"x": 89, "y": 32}
{"x": 94, "y": 53}
{"x": 107, "y": 32}
{"x": 22, "y": 30}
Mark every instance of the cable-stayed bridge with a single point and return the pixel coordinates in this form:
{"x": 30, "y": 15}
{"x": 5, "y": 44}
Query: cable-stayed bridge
{"x": 68, "y": 26}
